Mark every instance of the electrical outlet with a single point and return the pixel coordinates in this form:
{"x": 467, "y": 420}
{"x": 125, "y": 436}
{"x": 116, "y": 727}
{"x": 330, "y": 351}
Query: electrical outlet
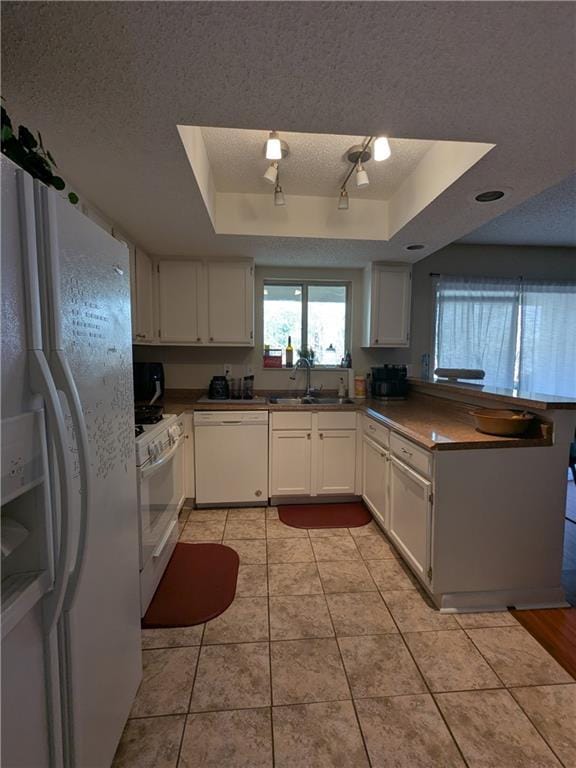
{"x": 227, "y": 369}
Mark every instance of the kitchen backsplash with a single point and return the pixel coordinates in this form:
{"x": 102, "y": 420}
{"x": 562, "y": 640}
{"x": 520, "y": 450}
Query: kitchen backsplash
{"x": 192, "y": 368}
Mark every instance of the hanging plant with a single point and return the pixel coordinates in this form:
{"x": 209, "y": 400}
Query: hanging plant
{"x": 27, "y": 151}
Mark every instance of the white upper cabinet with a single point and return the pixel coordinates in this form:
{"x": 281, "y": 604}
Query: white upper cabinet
{"x": 206, "y": 303}
{"x": 144, "y": 281}
{"x": 388, "y": 289}
{"x": 230, "y": 291}
{"x": 178, "y": 301}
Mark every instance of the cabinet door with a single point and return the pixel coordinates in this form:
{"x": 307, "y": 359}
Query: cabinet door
{"x": 144, "y": 298}
{"x": 178, "y": 296}
{"x": 375, "y": 465}
{"x": 291, "y": 459}
{"x": 390, "y": 308}
{"x": 410, "y": 515}
{"x": 230, "y": 303}
{"x": 336, "y": 461}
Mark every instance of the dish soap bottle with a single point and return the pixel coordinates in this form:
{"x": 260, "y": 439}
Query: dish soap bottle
{"x": 289, "y": 354}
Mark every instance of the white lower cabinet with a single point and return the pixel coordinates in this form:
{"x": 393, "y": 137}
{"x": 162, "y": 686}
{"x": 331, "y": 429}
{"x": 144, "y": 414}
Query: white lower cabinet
{"x": 375, "y": 466}
{"x": 189, "y": 474}
{"x": 291, "y": 463}
{"x": 410, "y": 515}
{"x": 312, "y": 454}
{"x": 335, "y": 461}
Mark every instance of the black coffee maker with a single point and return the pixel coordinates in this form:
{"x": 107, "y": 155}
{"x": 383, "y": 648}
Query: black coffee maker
{"x": 389, "y": 382}
{"x": 219, "y": 388}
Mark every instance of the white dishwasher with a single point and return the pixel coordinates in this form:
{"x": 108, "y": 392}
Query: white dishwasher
{"x": 231, "y": 457}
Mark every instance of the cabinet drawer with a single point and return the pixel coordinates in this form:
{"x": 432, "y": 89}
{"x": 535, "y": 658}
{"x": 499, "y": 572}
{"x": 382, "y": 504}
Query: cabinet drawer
{"x": 292, "y": 420}
{"x": 336, "y": 420}
{"x": 376, "y": 431}
{"x": 411, "y": 454}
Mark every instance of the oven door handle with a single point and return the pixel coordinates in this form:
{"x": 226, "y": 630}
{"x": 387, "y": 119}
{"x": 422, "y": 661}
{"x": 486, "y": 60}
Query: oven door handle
{"x": 151, "y": 468}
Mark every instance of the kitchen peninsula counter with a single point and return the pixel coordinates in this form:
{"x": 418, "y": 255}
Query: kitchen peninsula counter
{"x": 432, "y": 422}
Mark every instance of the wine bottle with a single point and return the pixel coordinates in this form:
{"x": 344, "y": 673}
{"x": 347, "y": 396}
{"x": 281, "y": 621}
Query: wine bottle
{"x": 289, "y": 354}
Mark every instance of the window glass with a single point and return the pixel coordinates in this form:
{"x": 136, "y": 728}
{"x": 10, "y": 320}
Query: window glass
{"x": 520, "y": 332}
{"x": 283, "y": 317}
{"x": 327, "y": 323}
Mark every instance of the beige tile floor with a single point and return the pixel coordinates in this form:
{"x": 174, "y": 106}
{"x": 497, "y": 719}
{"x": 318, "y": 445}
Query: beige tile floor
{"x": 330, "y": 656}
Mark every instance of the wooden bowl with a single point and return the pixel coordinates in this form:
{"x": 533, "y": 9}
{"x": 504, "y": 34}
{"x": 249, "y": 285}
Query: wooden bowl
{"x": 502, "y": 421}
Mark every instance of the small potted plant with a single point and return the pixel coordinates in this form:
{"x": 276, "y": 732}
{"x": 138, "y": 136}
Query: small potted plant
{"x": 27, "y": 151}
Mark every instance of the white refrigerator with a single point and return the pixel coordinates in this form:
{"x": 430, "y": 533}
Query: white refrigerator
{"x": 71, "y": 658}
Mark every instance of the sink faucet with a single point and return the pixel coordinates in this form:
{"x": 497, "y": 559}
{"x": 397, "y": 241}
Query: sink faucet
{"x": 303, "y": 362}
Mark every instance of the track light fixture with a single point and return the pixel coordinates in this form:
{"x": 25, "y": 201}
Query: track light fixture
{"x": 279, "y": 195}
{"x": 273, "y": 147}
{"x": 362, "y": 179}
{"x": 271, "y": 173}
{"x": 382, "y": 149}
{"x": 343, "y": 201}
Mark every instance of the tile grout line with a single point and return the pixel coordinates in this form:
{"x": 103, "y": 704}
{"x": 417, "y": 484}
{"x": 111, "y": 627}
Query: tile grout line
{"x": 190, "y": 697}
{"x": 345, "y": 672}
{"x": 269, "y": 647}
{"x": 516, "y": 702}
{"x": 427, "y": 686}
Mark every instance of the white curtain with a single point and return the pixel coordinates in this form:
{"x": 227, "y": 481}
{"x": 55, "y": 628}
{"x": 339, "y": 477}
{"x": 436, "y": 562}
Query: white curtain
{"x": 476, "y": 326}
{"x": 548, "y": 338}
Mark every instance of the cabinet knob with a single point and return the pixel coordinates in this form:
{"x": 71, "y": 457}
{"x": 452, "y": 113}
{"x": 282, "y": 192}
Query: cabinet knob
{"x": 321, "y": 436}
{"x": 211, "y": 338}
{"x": 258, "y": 493}
{"x": 308, "y": 436}
{"x": 198, "y": 338}
{"x": 375, "y": 341}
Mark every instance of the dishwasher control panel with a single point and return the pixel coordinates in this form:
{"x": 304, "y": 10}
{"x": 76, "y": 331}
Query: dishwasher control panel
{"x": 229, "y": 418}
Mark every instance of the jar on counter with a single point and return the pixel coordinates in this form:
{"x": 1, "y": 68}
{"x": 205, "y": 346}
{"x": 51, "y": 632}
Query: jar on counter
{"x": 359, "y": 386}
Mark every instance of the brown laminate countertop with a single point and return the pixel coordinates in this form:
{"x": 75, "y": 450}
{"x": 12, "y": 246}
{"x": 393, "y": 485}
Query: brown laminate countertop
{"x": 515, "y": 398}
{"x": 431, "y": 422}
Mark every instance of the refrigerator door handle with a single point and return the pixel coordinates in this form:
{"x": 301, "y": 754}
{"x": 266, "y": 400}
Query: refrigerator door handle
{"x": 66, "y": 384}
{"x": 43, "y": 384}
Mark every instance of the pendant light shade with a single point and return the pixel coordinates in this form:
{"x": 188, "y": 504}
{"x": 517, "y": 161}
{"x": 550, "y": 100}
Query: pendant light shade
{"x": 381, "y": 149}
{"x": 343, "y": 201}
{"x": 279, "y": 196}
{"x": 271, "y": 173}
{"x": 362, "y": 179}
{"x": 273, "y": 147}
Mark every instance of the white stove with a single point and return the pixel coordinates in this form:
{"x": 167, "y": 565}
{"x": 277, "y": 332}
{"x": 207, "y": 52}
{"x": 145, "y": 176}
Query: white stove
{"x": 154, "y": 440}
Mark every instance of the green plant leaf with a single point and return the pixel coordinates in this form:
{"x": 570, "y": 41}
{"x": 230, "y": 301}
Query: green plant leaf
{"x": 57, "y": 182}
{"x": 40, "y": 139}
{"x": 6, "y": 132}
{"x": 73, "y": 197}
{"x": 26, "y": 138}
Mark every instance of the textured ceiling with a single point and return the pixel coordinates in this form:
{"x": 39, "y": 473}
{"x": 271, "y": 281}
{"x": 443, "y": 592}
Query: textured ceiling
{"x": 107, "y": 83}
{"x": 316, "y": 163}
{"x": 547, "y": 219}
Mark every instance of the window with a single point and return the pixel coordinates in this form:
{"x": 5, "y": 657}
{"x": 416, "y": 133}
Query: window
{"x": 520, "y": 332}
{"x": 315, "y": 316}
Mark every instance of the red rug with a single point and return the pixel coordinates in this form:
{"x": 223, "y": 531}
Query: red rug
{"x": 198, "y": 584}
{"x": 351, "y": 515}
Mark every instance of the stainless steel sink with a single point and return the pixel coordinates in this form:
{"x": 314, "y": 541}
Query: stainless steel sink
{"x": 311, "y": 401}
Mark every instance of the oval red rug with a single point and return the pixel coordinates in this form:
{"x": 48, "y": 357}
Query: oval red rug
{"x": 350, "y": 515}
{"x": 198, "y": 584}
